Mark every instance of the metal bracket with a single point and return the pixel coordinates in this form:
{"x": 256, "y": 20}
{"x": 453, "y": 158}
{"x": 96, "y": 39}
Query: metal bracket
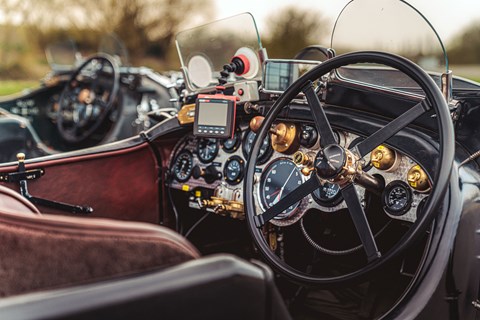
{"x": 22, "y": 176}
{"x": 18, "y": 176}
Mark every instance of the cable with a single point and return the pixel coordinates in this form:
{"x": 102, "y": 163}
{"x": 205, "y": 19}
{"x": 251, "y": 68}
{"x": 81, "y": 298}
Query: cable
{"x": 335, "y": 252}
{"x": 472, "y": 157}
{"x": 207, "y": 213}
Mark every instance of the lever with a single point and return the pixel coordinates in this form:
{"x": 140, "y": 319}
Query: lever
{"x": 44, "y": 202}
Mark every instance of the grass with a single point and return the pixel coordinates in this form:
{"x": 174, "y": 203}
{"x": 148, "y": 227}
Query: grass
{"x": 14, "y": 86}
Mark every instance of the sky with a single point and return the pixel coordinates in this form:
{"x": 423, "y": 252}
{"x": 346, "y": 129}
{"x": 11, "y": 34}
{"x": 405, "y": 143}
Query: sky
{"x": 447, "y": 16}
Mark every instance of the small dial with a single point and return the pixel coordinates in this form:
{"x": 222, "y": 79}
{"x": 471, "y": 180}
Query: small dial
{"x": 182, "y": 167}
{"x": 207, "y": 149}
{"x": 308, "y": 136}
{"x": 265, "y": 150}
{"x": 397, "y": 198}
{"x": 233, "y": 170}
{"x": 231, "y": 145}
{"x": 279, "y": 179}
{"x": 328, "y": 195}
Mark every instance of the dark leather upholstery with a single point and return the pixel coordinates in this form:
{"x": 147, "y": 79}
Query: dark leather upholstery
{"x": 40, "y": 252}
{"x": 214, "y": 287}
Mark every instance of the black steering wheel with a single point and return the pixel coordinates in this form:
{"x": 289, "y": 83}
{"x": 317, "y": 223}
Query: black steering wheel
{"x": 342, "y": 166}
{"x": 87, "y": 98}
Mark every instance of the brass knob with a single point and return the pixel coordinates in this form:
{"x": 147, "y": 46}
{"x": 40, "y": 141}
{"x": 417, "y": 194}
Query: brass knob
{"x": 256, "y": 123}
{"x": 383, "y": 158}
{"x": 418, "y": 179}
{"x": 21, "y": 157}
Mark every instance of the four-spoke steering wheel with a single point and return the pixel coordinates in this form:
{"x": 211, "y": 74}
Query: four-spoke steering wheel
{"x": 88, "y": 98}
{"x": 340, "y": 165}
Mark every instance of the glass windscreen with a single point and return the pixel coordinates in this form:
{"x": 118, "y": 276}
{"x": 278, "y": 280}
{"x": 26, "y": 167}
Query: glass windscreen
{"x": 392, "y": 26}
{"x": 112, "y": 45}
{"x": 62, "y": 55}
{"x": 204, "y": 50}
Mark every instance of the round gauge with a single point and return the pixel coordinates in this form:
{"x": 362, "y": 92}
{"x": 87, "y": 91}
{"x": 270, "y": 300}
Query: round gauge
{"x": 182, "y": 167}
{"x": 265, "y": 150}
{"x": 367, "y": 165}
{"x": 328, "y": 195}
{"x": 280, "y": 178}
{"x": 232, "y": 144}
{"x": 308, "y": 135}
{"x": 233, "y": 170}
{"x": 207, "y": 149}
{"x": 397, "y": 198}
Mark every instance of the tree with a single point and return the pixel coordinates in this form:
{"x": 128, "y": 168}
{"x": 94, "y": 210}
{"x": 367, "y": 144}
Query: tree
{"x": 292, "y": 29}
{"x": 465, "y": 48}
{"x": 146, "y": 26}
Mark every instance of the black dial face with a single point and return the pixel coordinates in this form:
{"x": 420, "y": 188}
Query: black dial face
{"x": 308, "y": 136}
{"x": 397, "y": 198}
{"x": 265, "y": 149}
{"x": 207, "y": 149}
{"x": 279, "y": 179}
{"x": 233, "y": 170}
{"x": 328, "y": 195}
{"x": 182, "y": 168}
{"x": 231, "y": 145}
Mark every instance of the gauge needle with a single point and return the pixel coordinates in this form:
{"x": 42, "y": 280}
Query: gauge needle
{"x": 279, "y": 195}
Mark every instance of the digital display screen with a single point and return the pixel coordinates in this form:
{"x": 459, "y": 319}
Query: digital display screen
{"x": 280, "y": 74}
{"x": 214, "y": 116}
{"x": 212, "y": 113}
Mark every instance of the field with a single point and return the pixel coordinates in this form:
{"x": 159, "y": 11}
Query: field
{"x": 8, "y": 87}
{"x": 13, "y": 86}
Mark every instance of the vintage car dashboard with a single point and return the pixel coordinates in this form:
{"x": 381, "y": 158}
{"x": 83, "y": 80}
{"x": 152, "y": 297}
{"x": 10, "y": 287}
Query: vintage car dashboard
{"x": 211, "y": 172}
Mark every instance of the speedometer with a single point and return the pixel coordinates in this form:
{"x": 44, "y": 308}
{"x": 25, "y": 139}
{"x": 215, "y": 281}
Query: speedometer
{"x": 279, "y": 179}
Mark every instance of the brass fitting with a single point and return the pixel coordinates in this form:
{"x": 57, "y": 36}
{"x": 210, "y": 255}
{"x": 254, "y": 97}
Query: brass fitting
{"x": 284, "y": 137}
{"x": 418, "y": 179}
{"x": 383, "y": 158}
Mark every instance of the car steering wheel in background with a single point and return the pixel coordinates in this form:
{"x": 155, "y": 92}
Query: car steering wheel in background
{"x": 88, "y": 98}
{"x": 343, "y": 166}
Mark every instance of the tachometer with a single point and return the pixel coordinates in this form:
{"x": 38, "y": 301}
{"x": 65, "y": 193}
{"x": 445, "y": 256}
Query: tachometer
{"x": 279, "y": 179}
{"x": 328, "y": 195}
{"x": 182, "y": 167}
{"x": 233, "y": 170}
{"x": 207, "y": 149}
{"x": 265, "y": 150}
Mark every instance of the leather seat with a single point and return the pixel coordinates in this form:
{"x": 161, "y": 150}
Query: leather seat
{"x": 39, "y": 252}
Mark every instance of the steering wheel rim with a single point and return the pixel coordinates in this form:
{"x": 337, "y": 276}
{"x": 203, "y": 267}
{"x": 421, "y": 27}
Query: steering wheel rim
{"x": 75, "y": 129}
{"x": 433, "y": 98}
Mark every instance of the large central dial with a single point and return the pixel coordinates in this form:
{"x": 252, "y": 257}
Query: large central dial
{"x": 330, "y": 161}
{"x": 279, "y": 179}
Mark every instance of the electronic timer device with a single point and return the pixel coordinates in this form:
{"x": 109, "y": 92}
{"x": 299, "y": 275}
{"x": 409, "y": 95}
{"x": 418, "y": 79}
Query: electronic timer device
{"x": 214, "y": 116}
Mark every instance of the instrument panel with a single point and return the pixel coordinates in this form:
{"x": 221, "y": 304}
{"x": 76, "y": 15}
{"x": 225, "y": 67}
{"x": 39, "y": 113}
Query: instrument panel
{"x": 218, "y": 166}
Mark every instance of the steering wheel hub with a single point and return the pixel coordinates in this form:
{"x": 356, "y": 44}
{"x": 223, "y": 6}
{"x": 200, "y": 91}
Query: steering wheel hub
{"x": 330, "y": 161}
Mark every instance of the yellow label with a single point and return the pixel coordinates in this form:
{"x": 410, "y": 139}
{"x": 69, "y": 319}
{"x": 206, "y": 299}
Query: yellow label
{"x": 185, "y": 187}
{"x": 413, "y": 184}
{"x": 381, "y": 147}
{"x": 198, "y": 193}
